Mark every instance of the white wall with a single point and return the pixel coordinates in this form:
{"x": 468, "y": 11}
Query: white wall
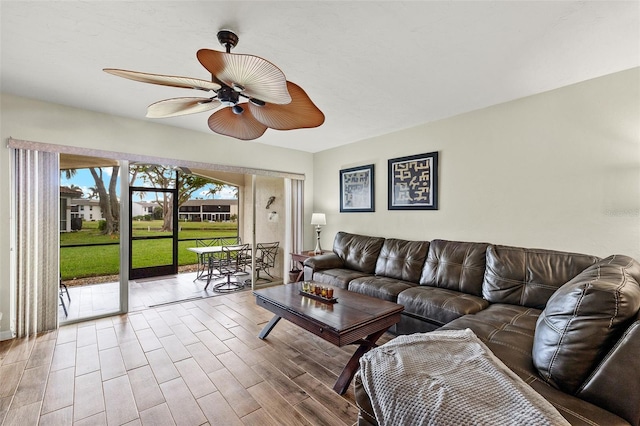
{"x": 267, "y": 230}
{"x": 27, "y": 119}
{"x": 559, "y": 170}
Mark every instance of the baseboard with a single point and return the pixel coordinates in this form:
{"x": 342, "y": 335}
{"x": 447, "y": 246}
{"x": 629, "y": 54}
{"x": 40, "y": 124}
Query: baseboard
{"x": 6, "y": 335}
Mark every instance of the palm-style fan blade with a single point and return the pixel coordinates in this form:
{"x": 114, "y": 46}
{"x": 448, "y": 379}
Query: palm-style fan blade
{"x": 300, "y": 113}
{"x": 181, "y": 106}
{"x": 254, "y": 76}
{"x": 240, "y": 126}
{"x": 165, "y": 80}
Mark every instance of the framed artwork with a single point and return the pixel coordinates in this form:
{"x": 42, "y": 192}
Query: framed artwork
{"x": 356, "y": 189}
{"x": 413, "y": 182}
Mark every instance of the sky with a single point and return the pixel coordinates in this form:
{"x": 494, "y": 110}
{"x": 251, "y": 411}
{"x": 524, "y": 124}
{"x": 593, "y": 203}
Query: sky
{"x": 84, "y": 180}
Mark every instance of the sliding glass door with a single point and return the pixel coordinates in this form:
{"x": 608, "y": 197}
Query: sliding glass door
{"x": 153, "y": 242}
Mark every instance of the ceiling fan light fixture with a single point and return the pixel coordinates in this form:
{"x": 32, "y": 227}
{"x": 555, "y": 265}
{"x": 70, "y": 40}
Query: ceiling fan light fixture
{"x": 273, "y": 102}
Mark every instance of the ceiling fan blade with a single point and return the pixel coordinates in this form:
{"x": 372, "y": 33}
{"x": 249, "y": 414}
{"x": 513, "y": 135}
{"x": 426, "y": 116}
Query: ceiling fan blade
{"x": 181, "y": 106}
{"x": 258, "y": 77}
{"x": 165, "y": 80}
{"x": 240, "y": 126}
{"x": 300, "y": 113}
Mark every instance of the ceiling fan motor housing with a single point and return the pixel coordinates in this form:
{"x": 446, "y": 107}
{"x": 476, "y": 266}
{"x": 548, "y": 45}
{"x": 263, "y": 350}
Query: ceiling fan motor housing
{"x": 228, "y": 39}
{"x": 228, "y": 96}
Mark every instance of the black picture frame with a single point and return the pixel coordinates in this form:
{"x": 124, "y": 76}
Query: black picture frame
{"x": 413, "y": 182}
{"x": 357, "y": 189}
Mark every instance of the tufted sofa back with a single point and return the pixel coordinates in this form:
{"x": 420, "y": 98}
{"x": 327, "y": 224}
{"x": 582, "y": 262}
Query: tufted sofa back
{"x": 358, "y": 252}
{"x": 528, "y": 277}
{"x": 402, "y": 259}
{"x": 455, "y": 265}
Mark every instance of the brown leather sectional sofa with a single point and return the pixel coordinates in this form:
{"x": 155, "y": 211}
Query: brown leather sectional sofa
{"x": 566, "y": 323}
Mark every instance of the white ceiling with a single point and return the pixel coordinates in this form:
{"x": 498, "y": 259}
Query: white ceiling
{"x": 371, "y": 67}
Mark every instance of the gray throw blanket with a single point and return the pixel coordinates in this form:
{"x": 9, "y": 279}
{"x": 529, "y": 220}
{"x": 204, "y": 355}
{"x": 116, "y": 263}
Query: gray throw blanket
{"x": 448, "y": 378}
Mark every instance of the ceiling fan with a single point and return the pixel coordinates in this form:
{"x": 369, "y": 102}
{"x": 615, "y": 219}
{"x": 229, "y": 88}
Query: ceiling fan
{"x": 253, "y": 93}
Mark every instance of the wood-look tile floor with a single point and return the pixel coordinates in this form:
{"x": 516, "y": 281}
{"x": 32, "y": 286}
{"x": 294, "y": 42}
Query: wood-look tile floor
{"x": 191, "y": 363}
{"x": 99, "y": 299}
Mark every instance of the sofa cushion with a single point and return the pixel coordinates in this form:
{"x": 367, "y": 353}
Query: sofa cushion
{"x": 401, "y": 259}
{"x": 583, "y": 319}
{"x": 439, "y": 305}
{"x": 358, "y": 252}
{"x": 380, "y": 287}
{"x": 508, "y": 331}
{"x": 337, "y": 277}
{"x": 455, "y": 265}
{"x": 528, "y": 277}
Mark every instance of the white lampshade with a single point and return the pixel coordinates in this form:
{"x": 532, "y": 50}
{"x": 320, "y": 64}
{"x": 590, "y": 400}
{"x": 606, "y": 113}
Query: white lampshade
{"x": 318, "y": 219}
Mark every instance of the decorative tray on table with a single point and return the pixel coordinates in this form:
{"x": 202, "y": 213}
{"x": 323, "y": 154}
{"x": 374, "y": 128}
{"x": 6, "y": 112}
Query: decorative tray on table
{"x": 319, "y": 297}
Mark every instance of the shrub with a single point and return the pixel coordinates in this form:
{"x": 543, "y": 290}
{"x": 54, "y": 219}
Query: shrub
{"x": 102, "y": 225}
{"x": 157, "y": 213}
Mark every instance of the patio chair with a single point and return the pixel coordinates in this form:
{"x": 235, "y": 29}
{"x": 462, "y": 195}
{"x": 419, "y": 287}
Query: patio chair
{"x": 266, "y": 259}
{"x": 232, "y": 261}
{"x": 230, "y": 241}
{"x": 63, "y": 289}
{"x": 203, "y": 259}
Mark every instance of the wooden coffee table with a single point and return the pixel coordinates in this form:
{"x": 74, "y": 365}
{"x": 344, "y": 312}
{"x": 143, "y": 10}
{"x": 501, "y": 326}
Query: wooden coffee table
{"x": 353, "y": 319}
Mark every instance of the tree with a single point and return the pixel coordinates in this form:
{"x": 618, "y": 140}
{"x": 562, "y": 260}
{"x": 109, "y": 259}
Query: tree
{"x": 108, "y": 199}
{"x": 157, "y": 213}
{"x": 216, "y": 188}
{"x": 68, "y": 173}
{"x": 93, "y": 193}
{"x": 163, "y": 177}
{"x": 109, "y": 203}
{"x": 77, "y": 189}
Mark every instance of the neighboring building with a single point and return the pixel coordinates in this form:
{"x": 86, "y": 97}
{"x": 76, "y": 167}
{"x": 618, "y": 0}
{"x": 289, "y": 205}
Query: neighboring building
{"x": 192, "y": 210}
{"x": 208, "y": 210}
{"x": 86, "y": 209}
{"x": 142, "y": 208}
{"x": 67, "y": 195}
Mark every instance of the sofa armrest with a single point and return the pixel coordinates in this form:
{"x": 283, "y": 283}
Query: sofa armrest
{"x": 324, "y": 261}
{"x": 619, "y": 375}
{"x": 321, "y": 262}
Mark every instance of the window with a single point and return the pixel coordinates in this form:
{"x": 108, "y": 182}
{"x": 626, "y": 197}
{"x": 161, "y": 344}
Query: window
{"x": 220, "y": 209}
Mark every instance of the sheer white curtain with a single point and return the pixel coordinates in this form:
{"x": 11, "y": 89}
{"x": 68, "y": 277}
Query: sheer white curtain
{"x": 37, "y": 241}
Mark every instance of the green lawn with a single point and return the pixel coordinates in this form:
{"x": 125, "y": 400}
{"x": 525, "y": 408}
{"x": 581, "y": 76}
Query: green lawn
{"x": 92, "y": 261}
{"x": 186, "y": 230}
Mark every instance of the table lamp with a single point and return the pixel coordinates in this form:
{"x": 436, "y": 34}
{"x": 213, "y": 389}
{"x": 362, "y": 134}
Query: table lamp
{"x": 318, "y": 219}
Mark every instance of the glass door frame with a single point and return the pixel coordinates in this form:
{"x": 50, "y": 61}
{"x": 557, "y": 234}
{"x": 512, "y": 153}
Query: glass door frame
{"x": 154, "y": 271}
